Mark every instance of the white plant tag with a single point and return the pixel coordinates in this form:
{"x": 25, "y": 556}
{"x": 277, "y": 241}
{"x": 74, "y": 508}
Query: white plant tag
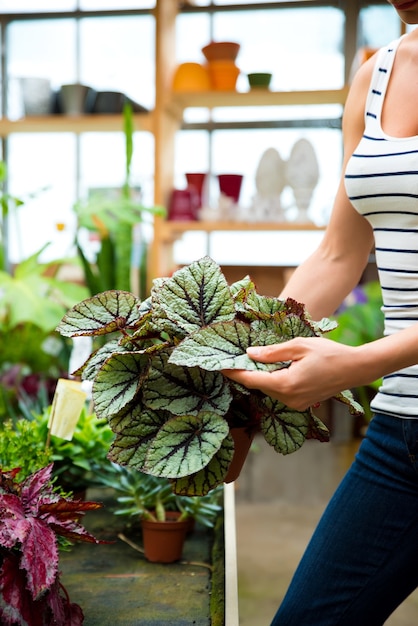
{"x": 68, "y": 402}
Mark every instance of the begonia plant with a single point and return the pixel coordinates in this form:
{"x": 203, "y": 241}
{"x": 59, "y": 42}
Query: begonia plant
{"x": 33, "y": 517}
{"x": 158, "y": 380}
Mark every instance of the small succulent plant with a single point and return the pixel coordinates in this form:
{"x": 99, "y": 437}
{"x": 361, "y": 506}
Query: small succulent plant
{"x": 158, "y": 380}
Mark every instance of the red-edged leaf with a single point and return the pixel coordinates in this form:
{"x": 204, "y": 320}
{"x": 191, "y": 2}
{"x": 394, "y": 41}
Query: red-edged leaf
{"x": 40, "y": 557}
{"x": 14, "y": 527}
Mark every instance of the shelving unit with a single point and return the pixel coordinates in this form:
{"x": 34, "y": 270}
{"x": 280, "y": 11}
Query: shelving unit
{"x": 163, "y": 122}
{"x": 169, "y": 113}
{"x": 75, "y": 124}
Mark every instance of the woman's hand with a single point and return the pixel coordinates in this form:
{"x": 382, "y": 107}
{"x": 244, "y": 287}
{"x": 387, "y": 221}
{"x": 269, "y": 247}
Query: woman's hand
{"x": 320, "y": 368}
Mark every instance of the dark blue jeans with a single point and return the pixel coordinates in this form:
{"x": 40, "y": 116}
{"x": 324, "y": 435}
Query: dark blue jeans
{"x": 362, "y": 560}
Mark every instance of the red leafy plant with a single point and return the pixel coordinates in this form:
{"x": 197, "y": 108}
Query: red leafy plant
{"x": 32, "y": 517}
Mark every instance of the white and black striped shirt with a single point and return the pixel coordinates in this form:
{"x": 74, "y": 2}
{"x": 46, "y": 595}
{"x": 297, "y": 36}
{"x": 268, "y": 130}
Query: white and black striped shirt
{"x": 382, "y": 183}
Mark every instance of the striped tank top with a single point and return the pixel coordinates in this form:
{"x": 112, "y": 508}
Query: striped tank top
{"x": 381, "y": 180}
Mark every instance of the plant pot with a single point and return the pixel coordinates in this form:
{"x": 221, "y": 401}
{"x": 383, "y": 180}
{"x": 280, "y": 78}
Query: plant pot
{"x": 163, "y": 541}
{"x": 243, "y": 438}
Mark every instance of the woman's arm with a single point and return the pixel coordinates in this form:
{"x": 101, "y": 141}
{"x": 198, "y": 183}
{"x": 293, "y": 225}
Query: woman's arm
{"x": 335, "y": 268}
{"x": 320, "y": 367}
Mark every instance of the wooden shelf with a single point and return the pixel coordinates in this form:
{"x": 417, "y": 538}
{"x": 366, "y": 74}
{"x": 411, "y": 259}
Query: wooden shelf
{"x": 73, "y": 124}
{"x": 255, "y": 97}
{"x": 168, "y": 229}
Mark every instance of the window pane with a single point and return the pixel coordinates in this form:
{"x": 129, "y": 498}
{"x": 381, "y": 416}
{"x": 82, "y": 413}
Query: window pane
{"x": 118, "y": 55}
{"x": 192, "y": 33}
{"x": 302, "y": 48}
{"x": 240, "y": 152}
{"x": 378, "y": 26}
{"x": 96, "y": 5}
{"x": 39, "y": 49}
{"x": 103, "y": 162}
{"x": 42, "y": 172}
{"x": 28, "y": 6}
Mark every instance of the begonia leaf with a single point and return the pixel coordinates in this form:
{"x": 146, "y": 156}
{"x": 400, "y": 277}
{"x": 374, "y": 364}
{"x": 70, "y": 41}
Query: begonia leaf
{"x": 104, "y": 313}
{"x": 220, "y": 346}
{"x": 186, "y": 444}
{"x": 184, "y": 390}
{"x": 212, "y": 475}
{"x": 118, "y": 381}
{"x": 195, "y": 296}
{"x": 283, "y": 428}
{"x": 134, "y": 432}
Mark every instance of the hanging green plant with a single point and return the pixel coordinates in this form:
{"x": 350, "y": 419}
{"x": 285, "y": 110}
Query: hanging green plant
{"x": 159, "y": 381}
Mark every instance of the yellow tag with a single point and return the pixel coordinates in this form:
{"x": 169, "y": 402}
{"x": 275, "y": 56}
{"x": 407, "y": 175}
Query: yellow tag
{"x": 69, "y": 400}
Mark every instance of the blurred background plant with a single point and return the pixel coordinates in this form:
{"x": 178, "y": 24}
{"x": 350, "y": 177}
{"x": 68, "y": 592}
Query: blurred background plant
{"x": 78, "y": 464}
{"x": 114, "y": 218}
{"x": 360, "y": 320}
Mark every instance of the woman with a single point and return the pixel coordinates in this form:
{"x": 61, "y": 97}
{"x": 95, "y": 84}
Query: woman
{"x": 362, "y": 561}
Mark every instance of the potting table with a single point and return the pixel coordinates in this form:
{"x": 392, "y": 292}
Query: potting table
{"x": 116, "y": 586}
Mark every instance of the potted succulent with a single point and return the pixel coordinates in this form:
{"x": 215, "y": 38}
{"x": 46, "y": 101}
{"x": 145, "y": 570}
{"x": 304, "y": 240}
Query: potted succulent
{"x": 35, "y": 521}
{"x": 165, "y": 517}
{"x": 159, "y": 382}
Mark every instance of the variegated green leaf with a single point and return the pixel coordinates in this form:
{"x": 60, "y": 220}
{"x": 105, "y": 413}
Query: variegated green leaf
{"x": 317, "y": 429}
{"x": 186, "y": 444}
{"x": 195, "y": 296}
{"x": 254, "y": 306}
{"x": 118, "y": 382}
{"x": 134, "y": 431}
{"x": 219, "y": 346}
{"x": 283, "y": 428}
{"x": 210, "y": 476}
{"x": 325, "y": 325}
{"x": 346, "y": 397}
{"x": 104, "y": 313}
{"x": 89, "y": 370}
{"x": 184, "y": 390}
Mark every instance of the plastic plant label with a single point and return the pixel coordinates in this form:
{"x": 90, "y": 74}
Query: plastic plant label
{"x": 68, "y": 402}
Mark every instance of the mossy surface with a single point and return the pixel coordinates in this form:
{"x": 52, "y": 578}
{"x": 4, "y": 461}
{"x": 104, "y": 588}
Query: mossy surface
{"x": 115, "y": 585}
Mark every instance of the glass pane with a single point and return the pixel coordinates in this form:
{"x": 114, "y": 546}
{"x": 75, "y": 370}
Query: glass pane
{"x": 118, "y": 55}
{"x": 378, "y": 25}
{"x": 192, "y": 33}
{"x": 102, "y": 167}
{"x": 302, "y": 48}
{"x": 96, "y": 5}
{"x": 240, "y": 152}
{"x": 28, "y": 6}
{"x": 103, "y": 163}
{"x": 43, "y": 49}
{"x": 42, "y": 172}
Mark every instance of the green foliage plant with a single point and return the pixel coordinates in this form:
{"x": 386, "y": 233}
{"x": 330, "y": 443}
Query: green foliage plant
{"x": 159, "y": 381}
{"x": 112, "y": 219}
{"x": 77, "y": 464}
{"x": 360, "y": 322}
{"x": 32, "y": 301}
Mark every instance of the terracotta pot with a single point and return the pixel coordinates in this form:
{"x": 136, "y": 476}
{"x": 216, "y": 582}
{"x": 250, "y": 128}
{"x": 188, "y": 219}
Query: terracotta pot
{"x": 163, "y": 541}
{"x": 243, "y": 438}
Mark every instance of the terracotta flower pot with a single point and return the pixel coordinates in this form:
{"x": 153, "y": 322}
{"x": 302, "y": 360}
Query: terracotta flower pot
{"x": 243, "y": 438}
{"x": 163, "y": 541}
